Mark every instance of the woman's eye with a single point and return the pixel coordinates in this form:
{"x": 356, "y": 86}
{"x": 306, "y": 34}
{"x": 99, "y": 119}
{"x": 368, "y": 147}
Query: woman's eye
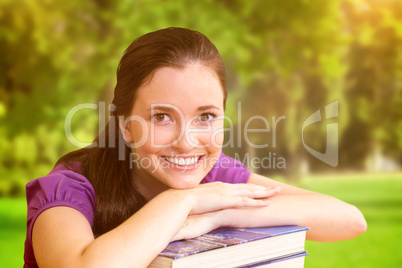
{"x": 161, "y": 117}
{"x": 206, "y": 117}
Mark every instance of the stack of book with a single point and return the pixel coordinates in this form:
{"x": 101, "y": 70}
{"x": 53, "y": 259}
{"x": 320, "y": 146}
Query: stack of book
{"x": 255, "y": 247}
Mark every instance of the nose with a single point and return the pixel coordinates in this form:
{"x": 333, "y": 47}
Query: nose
{"x": 187, "y": 139}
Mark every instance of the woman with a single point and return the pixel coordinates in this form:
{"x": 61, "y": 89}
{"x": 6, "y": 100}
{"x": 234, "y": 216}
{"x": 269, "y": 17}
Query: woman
{"x": 156, "y": 173}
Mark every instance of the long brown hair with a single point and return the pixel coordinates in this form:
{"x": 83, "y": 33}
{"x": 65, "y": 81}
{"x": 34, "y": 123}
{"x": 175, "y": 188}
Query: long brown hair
{"x": 117, "y": 197}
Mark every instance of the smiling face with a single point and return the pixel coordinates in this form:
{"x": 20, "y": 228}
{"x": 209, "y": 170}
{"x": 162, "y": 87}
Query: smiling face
{"x": 176, "y": 126}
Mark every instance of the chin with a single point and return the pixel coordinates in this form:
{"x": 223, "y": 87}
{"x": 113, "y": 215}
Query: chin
{"x": 183, "y": 183}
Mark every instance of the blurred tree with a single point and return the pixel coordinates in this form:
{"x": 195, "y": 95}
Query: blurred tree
{"x": 294, "y": 68}
{"x": 374, "y": 88}
{"x": 283, "y": 58}
{"x": 56, "y": 55}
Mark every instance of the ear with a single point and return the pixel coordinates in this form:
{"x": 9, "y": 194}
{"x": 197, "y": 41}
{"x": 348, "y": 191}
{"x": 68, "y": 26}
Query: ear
{"x": 125, "y": 129}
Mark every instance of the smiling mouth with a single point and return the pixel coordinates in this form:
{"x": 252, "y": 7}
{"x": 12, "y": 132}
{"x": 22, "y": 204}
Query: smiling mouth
{"x": 180, "y": 161}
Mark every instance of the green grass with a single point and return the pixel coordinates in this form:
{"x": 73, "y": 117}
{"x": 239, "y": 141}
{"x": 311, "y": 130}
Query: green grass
{"x": 378, "y": 196}
{"x": 12, "y": 232}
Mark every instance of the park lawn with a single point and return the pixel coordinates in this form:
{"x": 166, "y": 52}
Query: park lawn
{"x": 12, "y": 231}
{"x": 378, "y": 196}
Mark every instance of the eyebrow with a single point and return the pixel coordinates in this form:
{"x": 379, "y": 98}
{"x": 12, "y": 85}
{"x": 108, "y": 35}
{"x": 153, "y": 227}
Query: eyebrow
{"x": 160, "y": 107}
{"x": 169, "y": 109}
{"x": 207, "y": 107}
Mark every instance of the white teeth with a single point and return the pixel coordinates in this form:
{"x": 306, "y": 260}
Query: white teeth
{"x": 188, "y": 161}
{"x": 182, "y": 161}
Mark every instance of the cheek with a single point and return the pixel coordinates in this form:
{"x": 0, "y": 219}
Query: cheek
{"x": 217, "y": 135}
{"x": 211, "y": 139}
{"x": 139, "y": 132}
{"x": 218, "y": 140}
{"x": 160, "y": 137}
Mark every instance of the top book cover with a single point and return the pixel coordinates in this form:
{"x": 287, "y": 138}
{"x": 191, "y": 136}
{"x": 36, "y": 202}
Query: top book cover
{"x": 224, "y": 237}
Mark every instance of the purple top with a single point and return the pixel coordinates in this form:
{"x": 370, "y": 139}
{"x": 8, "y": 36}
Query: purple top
{"x": 63, "y": 187}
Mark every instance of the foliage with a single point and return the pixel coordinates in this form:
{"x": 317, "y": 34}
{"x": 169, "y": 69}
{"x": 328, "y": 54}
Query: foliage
{"x": 374, "y": 81}
{"x": 283, "y": 58}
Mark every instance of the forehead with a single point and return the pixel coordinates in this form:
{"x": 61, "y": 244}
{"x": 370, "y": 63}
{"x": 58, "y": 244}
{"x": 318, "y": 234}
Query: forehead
{"x": 192, "y": 86}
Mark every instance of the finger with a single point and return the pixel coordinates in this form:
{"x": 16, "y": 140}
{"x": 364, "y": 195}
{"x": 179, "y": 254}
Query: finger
{"x": 241, "y": 189}
{"x": 243, "y": 185}
{"x": 254, "y": 191}
{"x": 242, "y": 201}
{"x": 267, "y": 192}
{"x": 225, "y": 201}
{"x": 274, "y": 190}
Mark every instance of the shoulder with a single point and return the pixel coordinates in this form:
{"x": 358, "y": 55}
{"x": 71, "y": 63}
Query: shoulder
{"x": 227, "y": 169}
{"x": 61, "y": 187}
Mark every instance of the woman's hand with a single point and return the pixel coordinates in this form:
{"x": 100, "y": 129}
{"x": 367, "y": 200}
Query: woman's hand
{"x": 196, "y": 225}
{"x": 217, "y": 196}
{"x": 209, "y": 200}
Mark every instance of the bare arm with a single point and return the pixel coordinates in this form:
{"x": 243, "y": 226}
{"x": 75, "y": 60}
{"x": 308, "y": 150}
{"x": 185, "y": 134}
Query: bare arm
{"x": 62, "y": 237}
{"x": 329, "y": 219}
